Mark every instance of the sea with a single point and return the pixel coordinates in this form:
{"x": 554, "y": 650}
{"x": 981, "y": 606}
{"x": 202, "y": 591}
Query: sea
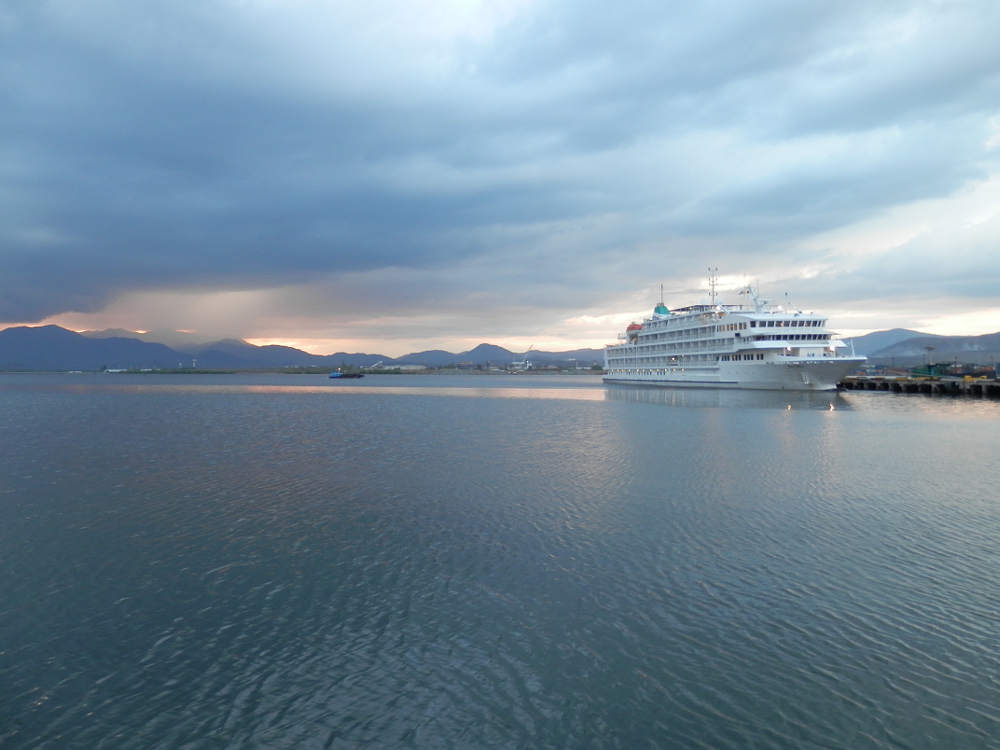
{"x": 493, "y": 561}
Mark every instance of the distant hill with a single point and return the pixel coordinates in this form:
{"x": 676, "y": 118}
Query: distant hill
{"x": 487, "y": 353}
{"x": 431, "y": 358}
{"x": 239, "y": 354}
{"x": 51, "y": 348}
{"x": 873, "y": 342}
{"x": 982, "y": 350}
{"x": 498, "y": 355}
{"x": 180, "y": 341}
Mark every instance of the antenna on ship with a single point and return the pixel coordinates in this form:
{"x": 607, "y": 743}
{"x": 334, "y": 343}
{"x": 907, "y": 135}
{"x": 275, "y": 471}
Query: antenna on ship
{"x": 712, "y": 281}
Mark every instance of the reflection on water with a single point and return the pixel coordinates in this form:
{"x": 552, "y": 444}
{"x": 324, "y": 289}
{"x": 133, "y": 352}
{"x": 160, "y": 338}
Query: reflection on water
{"x": 727, "y": 398}
{"x": 538, "y": 387}
{"x": 269, "y": 562}
{"x": 287, "y": 389}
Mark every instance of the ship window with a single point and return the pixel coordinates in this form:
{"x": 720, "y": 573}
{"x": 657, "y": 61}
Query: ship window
{"x": 753, "y": 323}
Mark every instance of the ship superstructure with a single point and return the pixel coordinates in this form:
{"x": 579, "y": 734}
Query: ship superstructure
{"x": 756, "y": 345}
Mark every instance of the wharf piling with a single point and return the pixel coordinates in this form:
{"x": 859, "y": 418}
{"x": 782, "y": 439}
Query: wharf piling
{"x": 942, "y": 385}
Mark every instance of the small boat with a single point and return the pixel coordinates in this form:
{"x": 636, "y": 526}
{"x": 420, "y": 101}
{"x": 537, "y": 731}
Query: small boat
{"x": 346, "y": 375}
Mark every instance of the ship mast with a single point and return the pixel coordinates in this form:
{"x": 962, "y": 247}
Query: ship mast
{"x": 712, "y": 281}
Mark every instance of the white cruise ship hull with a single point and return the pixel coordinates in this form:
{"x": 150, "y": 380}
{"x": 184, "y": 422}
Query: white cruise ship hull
{"x": 813, "y": 374}
{"x": 755, "y": 347}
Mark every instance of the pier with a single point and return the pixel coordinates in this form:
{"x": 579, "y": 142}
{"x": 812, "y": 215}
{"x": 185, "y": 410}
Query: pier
{"x": 934, "y": 385}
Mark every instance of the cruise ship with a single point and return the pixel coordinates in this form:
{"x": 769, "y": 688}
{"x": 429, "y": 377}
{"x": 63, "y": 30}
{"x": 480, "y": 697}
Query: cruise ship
{"x": 757, "y": 346}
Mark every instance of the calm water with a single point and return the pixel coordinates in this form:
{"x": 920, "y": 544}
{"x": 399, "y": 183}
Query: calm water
{"x": 493, "y": 562}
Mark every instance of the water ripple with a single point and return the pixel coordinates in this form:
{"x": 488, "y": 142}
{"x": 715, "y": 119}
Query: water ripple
{"x": 242, "y": 566}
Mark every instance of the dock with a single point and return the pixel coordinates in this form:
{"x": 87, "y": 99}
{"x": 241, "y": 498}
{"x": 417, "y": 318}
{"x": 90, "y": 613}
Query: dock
{"x": 935, "y": 385}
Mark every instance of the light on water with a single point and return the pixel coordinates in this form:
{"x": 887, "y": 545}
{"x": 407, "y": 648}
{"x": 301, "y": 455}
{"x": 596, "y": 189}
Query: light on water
{"x": 468, "y": 562}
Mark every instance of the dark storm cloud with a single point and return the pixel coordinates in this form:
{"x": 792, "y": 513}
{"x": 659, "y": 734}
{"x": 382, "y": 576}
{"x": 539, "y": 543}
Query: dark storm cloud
{"x": 238, "y": 145}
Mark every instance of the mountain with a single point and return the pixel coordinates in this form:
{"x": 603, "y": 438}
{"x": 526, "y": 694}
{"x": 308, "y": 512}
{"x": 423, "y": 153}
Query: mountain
{"x": 982, "y": 350}
{"x": 873, "y": 342}
{"x": 113, "y": 333}
{"x": 484, "y": 353}
{"x": 180, "y": 341}
{"x": 497, "y": 355}
{"x": 234, "y": 354}
{"x": 431, "y": 358}
{"x": 52, "y": 348}
{"x": 239, "y": 354}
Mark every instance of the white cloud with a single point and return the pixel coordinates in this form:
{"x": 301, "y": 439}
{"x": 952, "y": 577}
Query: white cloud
{"x": 457, "y": 169}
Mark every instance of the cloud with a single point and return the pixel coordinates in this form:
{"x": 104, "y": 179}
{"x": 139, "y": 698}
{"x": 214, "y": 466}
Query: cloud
{"x": 481, "y": 159}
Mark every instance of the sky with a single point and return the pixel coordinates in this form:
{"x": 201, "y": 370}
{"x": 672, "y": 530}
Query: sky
{"x": 400, "y": 175}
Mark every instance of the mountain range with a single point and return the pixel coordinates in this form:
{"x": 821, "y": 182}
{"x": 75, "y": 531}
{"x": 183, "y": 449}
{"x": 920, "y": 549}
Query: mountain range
{"x": 51, "y": 348}
{"x": 906, "y": 348}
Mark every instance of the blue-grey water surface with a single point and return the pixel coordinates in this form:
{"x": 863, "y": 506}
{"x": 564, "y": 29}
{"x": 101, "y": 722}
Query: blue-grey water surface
{"x": 493, "y": 562}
